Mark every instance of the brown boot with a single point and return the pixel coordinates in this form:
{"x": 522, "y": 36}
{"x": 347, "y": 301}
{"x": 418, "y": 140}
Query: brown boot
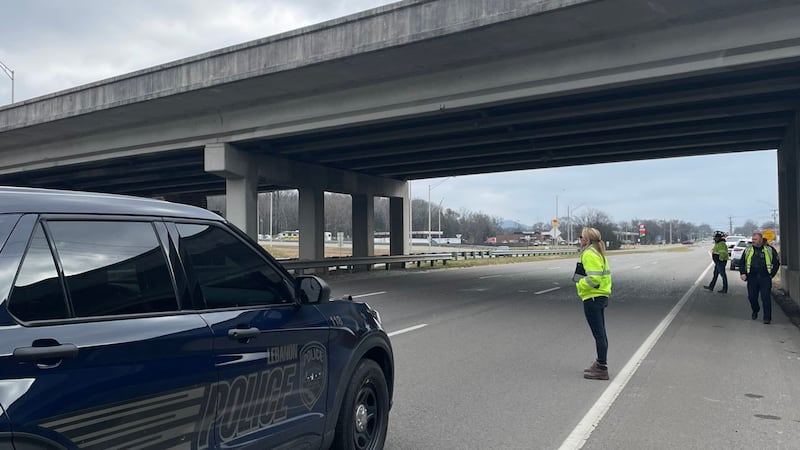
{"x": 595, "y": 365}
{"x": 596, "y": 372}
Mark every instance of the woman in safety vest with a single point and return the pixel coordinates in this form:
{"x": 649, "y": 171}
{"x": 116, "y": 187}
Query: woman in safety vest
{"x": 719, "y": 254}
{"x": 593, "y": 281}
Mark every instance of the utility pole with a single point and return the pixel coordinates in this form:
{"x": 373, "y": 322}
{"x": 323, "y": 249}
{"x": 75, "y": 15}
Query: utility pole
{"x": 730, "y": 226}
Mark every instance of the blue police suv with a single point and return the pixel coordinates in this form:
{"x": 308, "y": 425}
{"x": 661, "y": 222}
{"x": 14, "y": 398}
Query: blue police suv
{"x": 129, "y": 323}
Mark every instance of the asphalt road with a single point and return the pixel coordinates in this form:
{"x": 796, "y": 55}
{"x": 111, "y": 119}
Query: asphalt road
{"x": 492, "y": 358}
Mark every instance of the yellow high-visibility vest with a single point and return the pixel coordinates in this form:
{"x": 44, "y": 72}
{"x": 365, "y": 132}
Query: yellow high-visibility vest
{"x": 748, "y": 257}
{"x": 721, "y": 249}
{"x": 597, "y": 281}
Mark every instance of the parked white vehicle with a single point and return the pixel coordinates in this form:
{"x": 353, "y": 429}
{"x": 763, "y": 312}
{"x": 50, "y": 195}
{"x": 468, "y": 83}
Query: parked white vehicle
{"x": 731, "y": 241}
{"x": 737, "y": 251}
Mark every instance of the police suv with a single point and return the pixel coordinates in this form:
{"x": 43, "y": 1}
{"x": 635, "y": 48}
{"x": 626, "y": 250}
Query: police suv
{"x": 129, "y": 323}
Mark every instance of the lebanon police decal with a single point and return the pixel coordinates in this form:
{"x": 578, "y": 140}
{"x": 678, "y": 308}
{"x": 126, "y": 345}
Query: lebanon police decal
{"x": 312, "y": 381}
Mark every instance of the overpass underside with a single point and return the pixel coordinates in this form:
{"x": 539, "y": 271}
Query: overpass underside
{"x": 430, "y": 89}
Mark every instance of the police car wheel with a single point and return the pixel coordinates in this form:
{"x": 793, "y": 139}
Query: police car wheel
{"x": 364, "y": 416}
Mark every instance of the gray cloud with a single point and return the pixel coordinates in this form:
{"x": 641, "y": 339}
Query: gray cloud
{"x": 56, "y": 45}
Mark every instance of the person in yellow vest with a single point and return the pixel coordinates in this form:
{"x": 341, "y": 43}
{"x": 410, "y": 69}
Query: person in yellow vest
{"x": 593, "y": 282}
{"x": 759, "y": 265}
{"x": 719, "y": 254}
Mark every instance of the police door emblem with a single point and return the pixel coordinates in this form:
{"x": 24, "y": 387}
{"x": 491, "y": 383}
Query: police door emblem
{"x": 313, "y": 373}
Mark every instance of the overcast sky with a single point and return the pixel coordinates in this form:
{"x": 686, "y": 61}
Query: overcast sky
{"x": 56, "y": 44}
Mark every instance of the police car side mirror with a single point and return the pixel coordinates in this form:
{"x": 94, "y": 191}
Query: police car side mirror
{"x": 313, "y": 289}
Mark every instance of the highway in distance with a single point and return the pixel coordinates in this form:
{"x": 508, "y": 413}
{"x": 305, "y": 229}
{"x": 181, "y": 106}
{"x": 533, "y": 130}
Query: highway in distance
{"x": 492, "y": 357}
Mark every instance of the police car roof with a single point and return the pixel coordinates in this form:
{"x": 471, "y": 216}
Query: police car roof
{"x": 35, "y": 200}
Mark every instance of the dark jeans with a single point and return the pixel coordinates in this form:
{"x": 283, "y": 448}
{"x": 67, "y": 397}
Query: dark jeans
{"x": 594, "y": 309}
{"x": 760, "y": 284}
{"x": 719, "y": 270}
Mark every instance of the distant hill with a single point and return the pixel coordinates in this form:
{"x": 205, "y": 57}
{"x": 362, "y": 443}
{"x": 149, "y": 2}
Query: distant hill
{"x": 513, "y": 225}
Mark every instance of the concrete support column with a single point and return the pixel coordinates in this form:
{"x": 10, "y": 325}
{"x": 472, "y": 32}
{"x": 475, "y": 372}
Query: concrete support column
{"x": 312, "y": 223}
{"x": 363, "y": 225}
{"x": 399, "y": 223}
{"x": 241, "y": 184}
{"x": 789, "y": 208}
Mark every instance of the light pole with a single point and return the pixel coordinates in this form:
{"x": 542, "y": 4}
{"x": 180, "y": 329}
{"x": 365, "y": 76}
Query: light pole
{"x": 430, "y": 188}
{"x": 7, "y": 70}
{"x": 670, "y": 232}
{"x": 410, "y": 220}
{"x": 439, "y": 228}
{"x": 555, "y": 228}
{"x": 569, "y": 220}
{"x": 270, "y": 216}
{"x": 430, "y": 241}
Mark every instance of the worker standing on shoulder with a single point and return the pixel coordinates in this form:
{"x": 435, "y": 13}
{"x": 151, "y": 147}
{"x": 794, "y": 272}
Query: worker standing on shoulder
{"x": 760, "y": 263}
{"x": 719, "y": 254}
{"x": 593, "y": 281}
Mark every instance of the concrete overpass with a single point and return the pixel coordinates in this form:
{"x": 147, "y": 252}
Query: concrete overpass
{"x": 427, "y": 88}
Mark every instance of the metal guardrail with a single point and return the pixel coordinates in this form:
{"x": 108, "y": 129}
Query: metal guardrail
{"x": 369, "y": 262}
{"x": 565, "y": 251}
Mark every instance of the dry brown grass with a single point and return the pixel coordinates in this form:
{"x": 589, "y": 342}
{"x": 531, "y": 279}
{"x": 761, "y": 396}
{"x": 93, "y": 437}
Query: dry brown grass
{"x": 291, "y": 252}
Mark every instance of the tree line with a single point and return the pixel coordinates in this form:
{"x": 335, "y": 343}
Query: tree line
{"x": 280, "y": 209}
{"x": 474, "y": 227}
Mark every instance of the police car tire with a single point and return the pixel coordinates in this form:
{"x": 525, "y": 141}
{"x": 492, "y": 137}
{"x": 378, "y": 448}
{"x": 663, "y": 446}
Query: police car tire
{"x": 367, "y": 387}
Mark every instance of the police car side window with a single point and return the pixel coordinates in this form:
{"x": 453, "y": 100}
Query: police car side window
{"x": 113, "y": 268}
{"x": 230, "y": 273}
{"x": 37, "y": 293}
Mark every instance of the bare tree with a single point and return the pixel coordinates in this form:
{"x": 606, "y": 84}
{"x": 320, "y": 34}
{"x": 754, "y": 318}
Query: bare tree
{"x": 477, "y": 227}
{"x": 338, "y": 213}
{"x": 381, "y": 214}
{"x": 746, "y": 229}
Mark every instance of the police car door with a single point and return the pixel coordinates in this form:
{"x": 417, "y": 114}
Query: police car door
{"x": 95, "y": 352}
{"x": 270, "y": 351}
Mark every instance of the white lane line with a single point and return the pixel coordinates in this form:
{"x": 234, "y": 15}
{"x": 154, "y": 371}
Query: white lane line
{"x": 581, "y": 433}
{"x": 489, "y": 276}
{"x": 406, "y": 330}
{"x": 637, "y": 267}
{"x": 548, "y": 290}
{"x": 369, "y": 295}
{"x": 553, "y": 268}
